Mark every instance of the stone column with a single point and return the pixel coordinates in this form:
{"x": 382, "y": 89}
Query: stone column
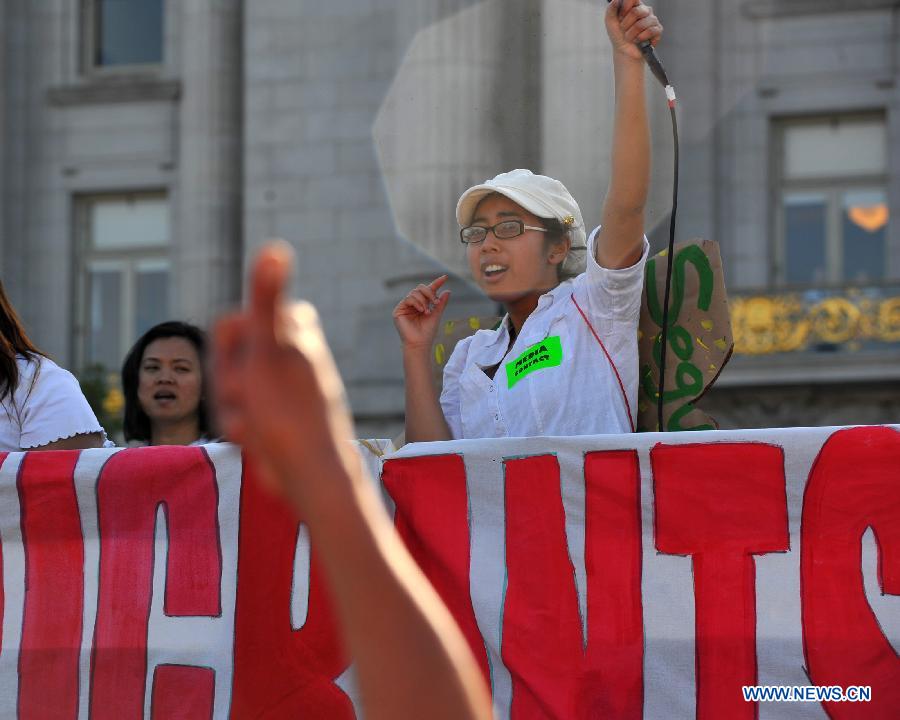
{"x": 206, "y": 231}
{"x": 14, "y": 110}
{"x": 691, "y": 52}
{"x": 36, "y": 219}
{"x": 461, "y": 108}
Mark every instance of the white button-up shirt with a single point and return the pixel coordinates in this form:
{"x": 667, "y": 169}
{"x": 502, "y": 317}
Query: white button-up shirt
{"x": 555, "y": 379}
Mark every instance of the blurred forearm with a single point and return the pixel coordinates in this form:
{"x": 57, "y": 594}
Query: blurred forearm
{"x": 411, "y": 659}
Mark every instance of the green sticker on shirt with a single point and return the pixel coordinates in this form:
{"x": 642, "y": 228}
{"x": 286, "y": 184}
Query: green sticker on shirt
{"x": 545, "y": 354}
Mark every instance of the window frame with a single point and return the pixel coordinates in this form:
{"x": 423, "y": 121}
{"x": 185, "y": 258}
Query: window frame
{"x": 833, "y": 187}
{"x": 88, "y": 35}
{"x": 128, "y": 260}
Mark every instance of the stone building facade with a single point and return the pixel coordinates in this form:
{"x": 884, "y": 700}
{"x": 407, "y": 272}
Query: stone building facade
{"x": 148, "y": 146}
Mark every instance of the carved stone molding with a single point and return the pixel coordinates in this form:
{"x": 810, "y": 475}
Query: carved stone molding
{"x": 813, "y": 405}
{"x": 114, "y": 90}
{"x": 761, "y": 9}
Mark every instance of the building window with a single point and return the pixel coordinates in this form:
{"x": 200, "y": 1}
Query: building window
{"x": 832, "y": 213}
{"x": 123, "y": 32}
{"x": 125, "y": 276}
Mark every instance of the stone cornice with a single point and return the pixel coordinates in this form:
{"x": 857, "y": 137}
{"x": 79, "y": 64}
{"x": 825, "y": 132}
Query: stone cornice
{"x": 761, "y": 9}
{"x": 120, "y": 89}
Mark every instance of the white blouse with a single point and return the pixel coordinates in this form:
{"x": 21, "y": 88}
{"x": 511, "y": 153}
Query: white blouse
{"x": 47, "y": 405}
{"x": 555, "y": 379}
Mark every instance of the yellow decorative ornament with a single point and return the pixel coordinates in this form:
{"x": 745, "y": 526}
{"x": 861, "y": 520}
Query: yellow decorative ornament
{"x": 889, "y": 320}
{"x": 768, "y": 324}
{"x": 784, "y": 323}
{"x": 114, "y": 401}
{"x": 835, "y": 320}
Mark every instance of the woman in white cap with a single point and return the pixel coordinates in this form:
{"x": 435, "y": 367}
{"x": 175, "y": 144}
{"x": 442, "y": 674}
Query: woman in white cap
{"x": 564, "y": 359}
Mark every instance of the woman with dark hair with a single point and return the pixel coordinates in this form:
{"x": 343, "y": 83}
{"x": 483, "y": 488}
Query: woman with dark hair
{"x": 43, "y": 407}
{"x": 164, "y": 384}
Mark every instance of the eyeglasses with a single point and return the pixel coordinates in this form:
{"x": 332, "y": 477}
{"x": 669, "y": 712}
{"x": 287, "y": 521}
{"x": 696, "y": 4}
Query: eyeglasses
{"x": 505, "y": 230}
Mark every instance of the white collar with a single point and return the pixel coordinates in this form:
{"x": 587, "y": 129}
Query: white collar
{"x": 496, "y": 347}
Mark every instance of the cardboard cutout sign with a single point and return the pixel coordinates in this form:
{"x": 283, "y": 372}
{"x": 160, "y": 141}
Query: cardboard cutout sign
{"x": 699, "y": 336}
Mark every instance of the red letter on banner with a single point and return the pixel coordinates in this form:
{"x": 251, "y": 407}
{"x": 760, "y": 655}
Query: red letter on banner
{"x": 543, "y": 646}
{"x": 553, "y": 674}
{"x": 182, "y": 692}
{"x": 432, "y": 517}
{"x": 614, "y": 679}
{"x": 131, "y": 487}
{"x": 854, "y": 485}
{"x": 722, "y": 504}
{"x": 280, "y": 672}
{"x": 54, "y": 586}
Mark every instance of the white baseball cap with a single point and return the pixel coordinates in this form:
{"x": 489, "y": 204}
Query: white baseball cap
{"x": 538, "y": 194}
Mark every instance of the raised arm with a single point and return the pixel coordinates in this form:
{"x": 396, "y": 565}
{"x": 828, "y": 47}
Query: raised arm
{"x": 620, "y": 239}
{"x": 280, "y": 395}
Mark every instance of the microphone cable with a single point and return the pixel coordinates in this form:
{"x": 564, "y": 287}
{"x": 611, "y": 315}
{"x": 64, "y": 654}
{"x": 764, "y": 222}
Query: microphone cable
{"x": 669, "y": 260}
{"x": 659, "y": 72}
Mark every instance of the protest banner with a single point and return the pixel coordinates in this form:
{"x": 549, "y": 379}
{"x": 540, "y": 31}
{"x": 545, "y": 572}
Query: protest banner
{"x": 620, "y": 576}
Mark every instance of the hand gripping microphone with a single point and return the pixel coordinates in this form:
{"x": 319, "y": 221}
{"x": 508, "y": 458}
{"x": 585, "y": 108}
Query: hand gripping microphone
{"x": 656, "y": 67}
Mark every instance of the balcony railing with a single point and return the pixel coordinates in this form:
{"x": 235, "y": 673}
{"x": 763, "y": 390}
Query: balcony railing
{"x": 842, "y": 319}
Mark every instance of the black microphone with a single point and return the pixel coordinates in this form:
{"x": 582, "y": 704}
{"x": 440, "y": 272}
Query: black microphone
{"x": 656, "y": 67}
{"x": 652, "y": 60}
